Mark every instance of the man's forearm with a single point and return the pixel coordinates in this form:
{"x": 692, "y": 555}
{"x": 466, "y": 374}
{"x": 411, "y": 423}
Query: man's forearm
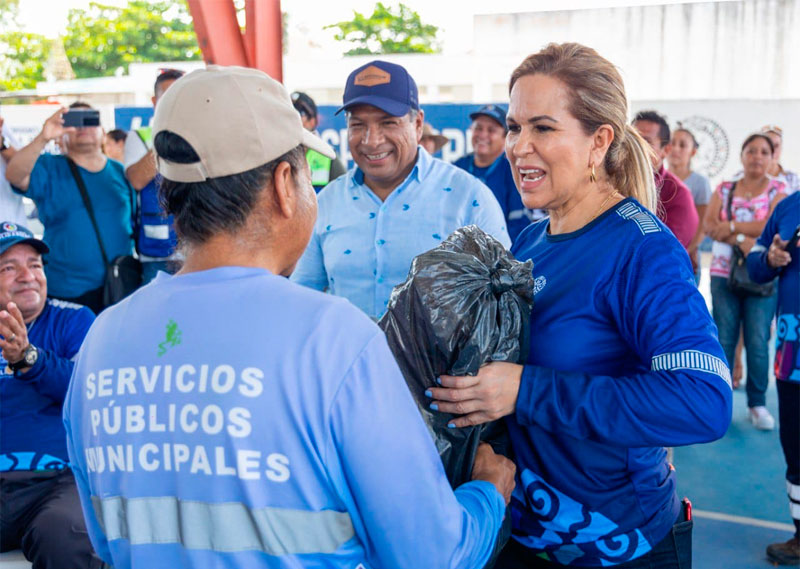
{"x": 19, "y": 168}
{"x": 140, "y": 173}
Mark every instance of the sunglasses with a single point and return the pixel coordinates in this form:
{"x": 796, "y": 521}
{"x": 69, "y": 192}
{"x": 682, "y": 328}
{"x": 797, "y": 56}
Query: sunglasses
{"x": 773, "y": 128}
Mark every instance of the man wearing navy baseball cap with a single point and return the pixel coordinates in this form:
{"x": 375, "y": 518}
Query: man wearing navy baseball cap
{"x": 489, "y": 164}
{"x": 38, "y": 340}
{"x": 397, "y": 202}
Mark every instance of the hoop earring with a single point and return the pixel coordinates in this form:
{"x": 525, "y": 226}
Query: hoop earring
{"x": 592, "y": 175}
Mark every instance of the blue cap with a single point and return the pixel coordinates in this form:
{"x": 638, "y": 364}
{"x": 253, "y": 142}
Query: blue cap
{"x": 494, "y": 112}
{"x": 384, "y": 85}
{"x": 13, "y": 234}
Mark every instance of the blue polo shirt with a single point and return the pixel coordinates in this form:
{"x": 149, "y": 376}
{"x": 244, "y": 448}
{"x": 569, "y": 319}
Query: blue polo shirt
{"x": 624, "y": 361}
{"x": 74, "y": 264}
{"x": 500, "y": 180}
{"x": 362, "y": 247}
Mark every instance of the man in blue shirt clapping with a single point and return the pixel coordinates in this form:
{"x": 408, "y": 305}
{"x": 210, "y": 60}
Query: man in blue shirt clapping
{"x": 38, "y": 340}
{"x": 396, "y": 203}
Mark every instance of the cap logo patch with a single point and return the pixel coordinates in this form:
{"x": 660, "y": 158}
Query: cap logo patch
{"x": 372, "y": 76}
{"x": 9, "y": 227}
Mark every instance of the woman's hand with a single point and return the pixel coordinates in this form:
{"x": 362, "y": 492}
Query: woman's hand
{"x": 720, "y": 231}
{"x": 490, "y": 395}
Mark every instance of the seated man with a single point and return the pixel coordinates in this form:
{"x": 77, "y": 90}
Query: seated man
{"x": 38, "y": 337}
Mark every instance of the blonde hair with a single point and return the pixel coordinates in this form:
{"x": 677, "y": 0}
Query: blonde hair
{"x": 597, "y": 97}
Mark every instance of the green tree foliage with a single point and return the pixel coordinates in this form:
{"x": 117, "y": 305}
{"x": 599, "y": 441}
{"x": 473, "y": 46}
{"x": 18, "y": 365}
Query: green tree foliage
{"x": 22, "y": 55}
{"x": 102, "y": 39}
{"x": 22, "y": 61}
{"x": 387, "y": 30}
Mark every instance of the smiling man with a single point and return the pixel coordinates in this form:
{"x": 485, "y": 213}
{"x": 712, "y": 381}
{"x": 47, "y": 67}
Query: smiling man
{"x": 488, "y": 163}
{"x": 38, "y": 339}
{"x": 397, "y": 202}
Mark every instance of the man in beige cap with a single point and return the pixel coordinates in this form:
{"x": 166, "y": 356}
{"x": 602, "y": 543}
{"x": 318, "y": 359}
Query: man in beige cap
{"x": 226, "y": 416}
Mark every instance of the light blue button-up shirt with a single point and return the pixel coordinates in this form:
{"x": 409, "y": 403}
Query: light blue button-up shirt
{"x": 363, "y": 247}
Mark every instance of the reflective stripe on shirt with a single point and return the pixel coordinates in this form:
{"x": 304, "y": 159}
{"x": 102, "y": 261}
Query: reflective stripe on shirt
{"x": 229, "y": 527}
{"x": 692, "y": 359}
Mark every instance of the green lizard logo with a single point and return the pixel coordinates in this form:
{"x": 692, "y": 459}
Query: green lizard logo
{"x": 173, "y": 338}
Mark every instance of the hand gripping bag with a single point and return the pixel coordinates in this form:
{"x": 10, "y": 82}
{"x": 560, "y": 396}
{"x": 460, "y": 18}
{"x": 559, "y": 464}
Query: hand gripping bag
{"x": 465, "y": 303}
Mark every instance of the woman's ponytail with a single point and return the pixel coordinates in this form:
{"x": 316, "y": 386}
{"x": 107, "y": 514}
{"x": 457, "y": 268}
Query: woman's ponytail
{"x": 630, "y": 168}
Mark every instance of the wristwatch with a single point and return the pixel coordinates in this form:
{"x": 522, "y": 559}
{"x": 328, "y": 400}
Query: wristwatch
{"x": 29, "y": 358}
{"x": 740, "y": 238}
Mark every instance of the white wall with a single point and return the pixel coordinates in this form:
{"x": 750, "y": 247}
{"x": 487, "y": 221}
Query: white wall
{"x": 703, "y": 50}
{"x": 722, "y": 125}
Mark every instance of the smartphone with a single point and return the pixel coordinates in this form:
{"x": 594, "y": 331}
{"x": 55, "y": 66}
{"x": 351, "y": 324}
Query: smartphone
{"x": 792, "y": 244}
{"x": 81, "y": 118}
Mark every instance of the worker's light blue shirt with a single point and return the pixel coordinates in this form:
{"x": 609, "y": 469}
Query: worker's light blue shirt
{"x": 231, "y": 418}
{"x": 363, "y": 247}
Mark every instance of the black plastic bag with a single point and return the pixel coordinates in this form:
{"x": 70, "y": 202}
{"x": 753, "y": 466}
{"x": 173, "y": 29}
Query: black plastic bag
{"x": 465, "y": 303}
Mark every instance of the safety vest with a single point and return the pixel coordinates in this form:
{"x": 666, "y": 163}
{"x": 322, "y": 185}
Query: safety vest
{"x": 320, "y": 169}
{"x": 155, "y": 235}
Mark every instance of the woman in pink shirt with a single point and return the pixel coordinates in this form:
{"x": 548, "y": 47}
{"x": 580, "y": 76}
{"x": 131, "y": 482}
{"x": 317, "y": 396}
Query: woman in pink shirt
{"x": 754, "y": 196}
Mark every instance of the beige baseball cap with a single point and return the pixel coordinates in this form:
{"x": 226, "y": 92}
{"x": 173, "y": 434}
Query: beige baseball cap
{"x": 235, "y": 118}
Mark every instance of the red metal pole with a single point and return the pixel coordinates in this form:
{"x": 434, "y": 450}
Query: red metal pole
{"x": 218, "y": 32}
{"x": 264, "y": 36}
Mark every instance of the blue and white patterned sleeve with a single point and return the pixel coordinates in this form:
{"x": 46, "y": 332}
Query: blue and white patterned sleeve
{"x": 684, "y": 398}
{"x": 487, "y": 214}
{"x": 310, "y": 269}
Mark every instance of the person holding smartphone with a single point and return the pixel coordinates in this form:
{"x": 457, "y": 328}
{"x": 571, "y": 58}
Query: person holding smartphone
{"x": 75, "y": 269}
{"x": 776, "y": 254}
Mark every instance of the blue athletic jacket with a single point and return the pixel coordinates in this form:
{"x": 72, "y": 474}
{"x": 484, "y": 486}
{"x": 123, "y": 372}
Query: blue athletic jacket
{"x": 624, "y": 361}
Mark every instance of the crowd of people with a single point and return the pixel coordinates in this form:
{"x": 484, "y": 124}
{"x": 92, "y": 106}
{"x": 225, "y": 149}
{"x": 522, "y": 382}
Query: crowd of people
{"x": 243, "y": 409}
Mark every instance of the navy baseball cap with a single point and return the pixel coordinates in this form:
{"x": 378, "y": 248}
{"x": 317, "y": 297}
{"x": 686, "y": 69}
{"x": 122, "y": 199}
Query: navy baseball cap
{"x": 381, "y": 84}
{"x": 13, "y": 234}
{"x": 494, "y": 112}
